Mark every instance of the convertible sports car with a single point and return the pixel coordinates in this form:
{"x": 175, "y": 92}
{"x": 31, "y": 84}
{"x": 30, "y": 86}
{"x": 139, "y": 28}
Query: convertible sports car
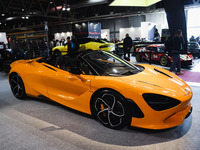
{"x": 158, "y": 55}
{"x": 99, "y": 83}
{"x": 88, "y": 44}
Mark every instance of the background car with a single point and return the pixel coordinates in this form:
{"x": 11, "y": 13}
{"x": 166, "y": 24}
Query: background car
{"x": 158, "y": 55}
{"x": 194, "y": 49}
{"x": 88, "y": 44}
{"x": 137, "y": 44}
{"x": 101, "y": 84}
{"x": 119, "y": 49}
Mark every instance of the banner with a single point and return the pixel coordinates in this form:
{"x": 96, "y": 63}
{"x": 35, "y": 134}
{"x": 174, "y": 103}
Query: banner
{"x": 80, "y": 30}
{"x": 94, "y": 30}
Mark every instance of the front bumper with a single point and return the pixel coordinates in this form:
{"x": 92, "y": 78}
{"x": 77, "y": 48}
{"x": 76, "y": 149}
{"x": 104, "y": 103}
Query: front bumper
{"x": 163, "y": 123}
{"x": 185, "y": 63}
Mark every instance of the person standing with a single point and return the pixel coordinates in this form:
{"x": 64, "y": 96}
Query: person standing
{"x": 178, "y": 42}
{"x": 127, "y": 45}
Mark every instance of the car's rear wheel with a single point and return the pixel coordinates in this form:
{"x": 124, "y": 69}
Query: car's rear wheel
{"x": 164, "y": 61}
{"x": 17, "y": 86}
{"x": 110, "y": 108}
{"x": 138, "y": 57}
{"x": 56, "y": 52}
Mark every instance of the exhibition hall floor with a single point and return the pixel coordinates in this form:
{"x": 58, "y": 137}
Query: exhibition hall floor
{"x": 36, "y": 124}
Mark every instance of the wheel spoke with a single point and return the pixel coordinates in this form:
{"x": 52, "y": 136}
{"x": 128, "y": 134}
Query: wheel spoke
{"x": 114, "y": 101}
{"x": 110, "y": 122}
{"x": 14, "y": 81}
{"x": 17, "y": 79}
{"x": 99, "y": 117}
{"x": 103, "y": 101}
{"x": 117, "y": 114}
{"x": 15, "y": 87}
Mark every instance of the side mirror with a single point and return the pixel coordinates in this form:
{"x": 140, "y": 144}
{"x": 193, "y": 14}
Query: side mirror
{"x": 75, "y": 70}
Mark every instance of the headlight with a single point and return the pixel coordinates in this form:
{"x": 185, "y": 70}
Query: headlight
{"x": 160, "y": 102}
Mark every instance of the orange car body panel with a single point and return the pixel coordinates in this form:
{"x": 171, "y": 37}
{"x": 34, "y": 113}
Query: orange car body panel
{"x": 75, "y": 91}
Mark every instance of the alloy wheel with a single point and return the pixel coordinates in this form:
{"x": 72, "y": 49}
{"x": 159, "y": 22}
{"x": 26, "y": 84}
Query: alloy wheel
{"x": 17, "y": 86}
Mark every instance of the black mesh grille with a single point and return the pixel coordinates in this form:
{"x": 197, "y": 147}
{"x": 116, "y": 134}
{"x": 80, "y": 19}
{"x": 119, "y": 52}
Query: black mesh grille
{"x": 160, "y": 102}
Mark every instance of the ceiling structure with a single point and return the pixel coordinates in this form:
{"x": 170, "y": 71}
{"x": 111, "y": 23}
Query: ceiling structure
{"x": 18, "y": 15}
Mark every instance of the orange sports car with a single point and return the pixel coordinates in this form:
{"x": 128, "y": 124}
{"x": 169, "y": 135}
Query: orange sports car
{"x": 99, "y": 83}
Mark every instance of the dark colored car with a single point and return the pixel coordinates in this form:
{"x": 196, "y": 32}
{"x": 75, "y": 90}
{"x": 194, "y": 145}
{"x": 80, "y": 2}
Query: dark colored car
{"x": 194, "y": 49}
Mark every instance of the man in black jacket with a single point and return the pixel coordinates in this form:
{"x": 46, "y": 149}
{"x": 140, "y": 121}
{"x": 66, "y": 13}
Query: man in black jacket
{"x": 127, "y": 45}
{"x": 178, "y": 42}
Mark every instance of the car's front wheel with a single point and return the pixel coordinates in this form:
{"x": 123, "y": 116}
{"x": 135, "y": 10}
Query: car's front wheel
{"x": 111, "y": 109}
{"x": 17, "y": 86}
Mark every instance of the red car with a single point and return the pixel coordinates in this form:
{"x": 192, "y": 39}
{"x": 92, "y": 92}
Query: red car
{"x": 158, "y": 55}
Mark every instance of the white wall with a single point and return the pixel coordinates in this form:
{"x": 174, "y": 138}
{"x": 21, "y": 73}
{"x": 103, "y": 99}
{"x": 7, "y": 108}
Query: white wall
{"x": 105, "y": 34}
{"x": 159, "y": 19}
{"x": 3, "y": 37}
{"x": 133, "y": 32}
{"x": 59, "y": 36}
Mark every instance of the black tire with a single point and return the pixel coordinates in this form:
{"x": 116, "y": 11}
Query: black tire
{"x": 164, "y": 61}
{"x": 17, "y": 86}
{"x": 56, "y": 52}
{"x": 111, "y": 109}
{"x": 138, "y": 57}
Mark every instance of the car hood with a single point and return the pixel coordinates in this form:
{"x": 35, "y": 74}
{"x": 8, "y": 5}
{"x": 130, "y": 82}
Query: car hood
{"x": 158, "y": 80}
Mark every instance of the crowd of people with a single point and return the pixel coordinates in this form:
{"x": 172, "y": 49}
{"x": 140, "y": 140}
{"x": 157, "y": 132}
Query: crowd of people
{"x": 30, "y": 49}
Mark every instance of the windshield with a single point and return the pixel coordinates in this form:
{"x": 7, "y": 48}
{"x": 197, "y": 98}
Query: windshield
{"x": 195, "y": 45}
{"x": 107, "y": 64}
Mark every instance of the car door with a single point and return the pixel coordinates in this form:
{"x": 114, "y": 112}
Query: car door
{"x": 64, "y": 86}
{"x": 155, "y": 54}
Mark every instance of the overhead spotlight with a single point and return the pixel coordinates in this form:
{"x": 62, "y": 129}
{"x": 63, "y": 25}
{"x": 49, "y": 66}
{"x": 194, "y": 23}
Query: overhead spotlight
{"x": 27, "y": 17}
{"x": 23, "y": 17}
{"x": 22, "y": 9}
{"x": 63, "y": 9}
{"x": 0, "y": 23}
{"x": 2, "y": 14}
{"x": 68, "y": 8}
{"x": 51, "y": 1}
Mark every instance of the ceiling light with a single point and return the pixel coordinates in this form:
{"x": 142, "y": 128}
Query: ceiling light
{"x": 2, "y": 14}
{"x": 23, "y": 17}
{"x": 68, "y": 9}
{"x": 22, "y": 9}
{"x": 139, "y": 3}
{"x": 27, "y": 17}
{"x": 0, "y": 22}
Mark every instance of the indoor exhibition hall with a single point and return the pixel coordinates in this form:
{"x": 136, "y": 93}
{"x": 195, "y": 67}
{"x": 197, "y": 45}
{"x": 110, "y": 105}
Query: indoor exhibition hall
{"x": 99, "y": 74}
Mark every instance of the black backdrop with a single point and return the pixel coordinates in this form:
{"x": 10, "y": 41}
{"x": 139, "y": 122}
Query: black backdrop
{"x": 176, "y": 18}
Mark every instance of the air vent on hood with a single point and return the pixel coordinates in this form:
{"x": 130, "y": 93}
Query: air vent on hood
{"x": 162, "y": 73}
